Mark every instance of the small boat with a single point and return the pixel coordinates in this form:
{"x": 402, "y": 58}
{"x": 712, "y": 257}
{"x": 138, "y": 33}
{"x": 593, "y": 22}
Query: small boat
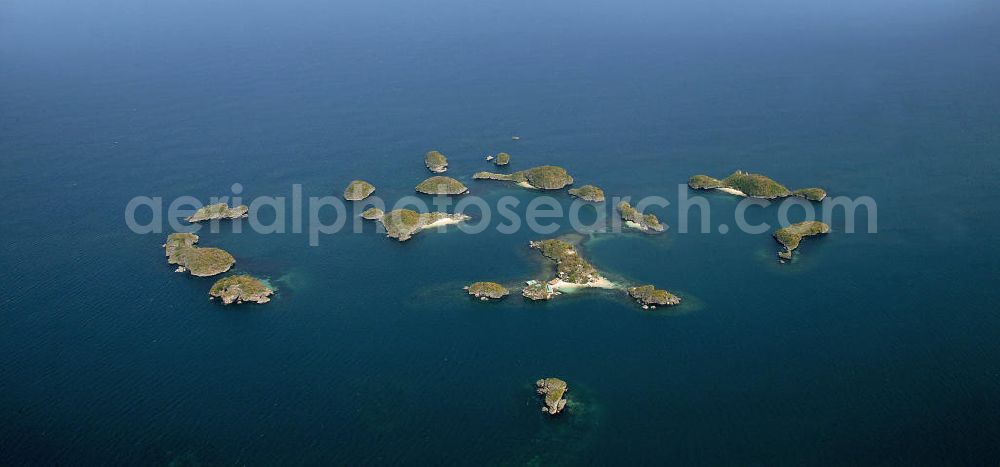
{"x": 489, "y": 158}
{"x": 515, "y": 138}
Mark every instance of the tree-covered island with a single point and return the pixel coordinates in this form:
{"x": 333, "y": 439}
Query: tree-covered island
{"x": 241, "y": 288}
{"x": 753, "y": 185}
{"x": 358, "y": 190}
{"x": 650, "y": 297}
{"x": 487, "y": 290}
{"x": 547, "y": 177}
{"x": 218, "y": 211}
{"x": 181, "y": 250}
{"x": 441, "y": 185}
{"x": 436, "y": 162}
{"x": 588, "y": 193}
{"x": 402, "y": 224}
{"x": 790, "y": 237}
{"x": 633, "y": 218}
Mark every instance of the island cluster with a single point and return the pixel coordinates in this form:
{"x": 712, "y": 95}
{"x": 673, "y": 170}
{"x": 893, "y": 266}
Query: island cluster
{"x": 571, "y": 270}
{"x": 181, "y": 249}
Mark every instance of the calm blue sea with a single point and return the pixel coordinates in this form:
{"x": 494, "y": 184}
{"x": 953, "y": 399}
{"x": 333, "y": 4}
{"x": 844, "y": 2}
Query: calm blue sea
{"x": 868, "y": 349}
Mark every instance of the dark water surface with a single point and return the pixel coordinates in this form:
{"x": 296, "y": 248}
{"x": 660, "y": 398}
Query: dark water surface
{"x": 867, "y": 349}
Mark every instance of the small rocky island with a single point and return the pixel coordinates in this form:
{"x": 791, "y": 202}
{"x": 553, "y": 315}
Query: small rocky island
{"x": 536, "y": 290}
{"x": 202, "y": 262}
{"x": 502, "y": 159}
{"x": 651, "y": 297}
{"x": 553, "y": 389}
{"x": 753, "y": 185}
{"x": 639, "y": 221}
{"x": 241, "y": 288}
{"x": 441, "y": 185}
{"x": 358, "y": 190}
{"x": 372, "y": 214}
{"x": 436, "y": 162}
{"x": 402, "y": 224}
{"x": 790, "y": 236}
{"x": 546, "y": 177}
{"x": 218, "y": 211}
{"x": 588, "y": 193}
{"x": 487, "y": 290}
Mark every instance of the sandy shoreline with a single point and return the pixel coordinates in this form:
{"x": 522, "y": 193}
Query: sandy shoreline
{"x": 731, "y": 191}
{"x": 636, "y": 226}
{"x": 444, "y": 222}
{"x": 601, "y": 283}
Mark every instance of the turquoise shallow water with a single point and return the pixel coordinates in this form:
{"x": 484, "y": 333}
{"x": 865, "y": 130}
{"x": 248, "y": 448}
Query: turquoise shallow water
{"x": 868, "y": 349}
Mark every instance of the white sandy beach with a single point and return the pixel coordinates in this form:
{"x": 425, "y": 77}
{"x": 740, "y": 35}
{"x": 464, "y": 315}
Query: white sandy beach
{"x": 635, "y": 225}
{"x": 443, "y": 222}
{"x": 600, "y": 283}
{"x": 732, "y": 191}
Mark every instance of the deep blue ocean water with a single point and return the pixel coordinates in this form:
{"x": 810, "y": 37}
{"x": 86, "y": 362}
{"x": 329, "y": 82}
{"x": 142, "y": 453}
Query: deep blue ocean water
{"x": 869, "y": 348}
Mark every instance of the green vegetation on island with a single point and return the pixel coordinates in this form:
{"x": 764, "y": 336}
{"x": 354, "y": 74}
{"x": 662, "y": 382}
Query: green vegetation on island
{"x": 372, "y": 214}
{"x": 546, "y": 177}
{"x": 704, "y": 182}
{"x": 791, "y": 236}
{"x": 588, "y": 193}
{"x": 502, "y": 159}
{"x": 637, "y": 220}
{"x": 811, "y": 194}
{"x": 358, "y": 190}
{"x": 200, "y": 262}
{"x": 487, "y": 290}
{"x": 553, "y": 389}
{"x": 241, "y": 288}
{"x": 402, "y": 224}
{"x": 570, "y": 266}
{"x": 649, "y": 296}
{"x": 494, "y": 176}
{"x": 536, "y": 290}
{"x": 436, "y": 162}
{"x": 753, "y": 185}
{"x": 756, "y": 185}
{"x": 218, "y": 211}
{"x": 574, "y": 272}
{"x": 441, "y": 185}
